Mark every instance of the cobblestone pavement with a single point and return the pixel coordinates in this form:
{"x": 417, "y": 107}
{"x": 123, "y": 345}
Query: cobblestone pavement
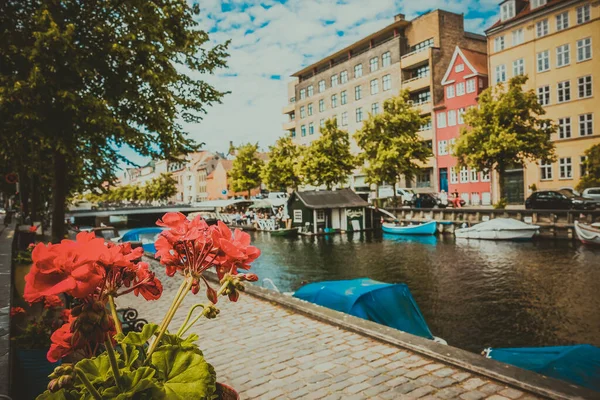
{"x": 266, "y": 351}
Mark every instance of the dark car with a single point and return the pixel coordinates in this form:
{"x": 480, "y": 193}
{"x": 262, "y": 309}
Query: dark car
{"x": 424, "y": 200}
{"x": 558, "y": 200}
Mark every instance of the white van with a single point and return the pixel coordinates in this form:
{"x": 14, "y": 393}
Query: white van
{"x": 386, "y": 192}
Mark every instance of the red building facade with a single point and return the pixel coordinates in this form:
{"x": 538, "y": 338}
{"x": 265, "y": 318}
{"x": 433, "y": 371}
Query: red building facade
{"x": 464, "y": 80}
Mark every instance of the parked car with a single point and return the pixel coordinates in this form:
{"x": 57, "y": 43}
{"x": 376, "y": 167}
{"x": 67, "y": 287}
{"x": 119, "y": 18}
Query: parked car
{"x": 558, "y": 200}
{"x": 592, "y": 194}
{"x": 426, "y": 200}
{"x": 385, "y": 192}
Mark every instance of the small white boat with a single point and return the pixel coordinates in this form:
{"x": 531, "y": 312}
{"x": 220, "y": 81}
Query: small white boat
{"x": 588, "y": 234}
{"x": 499, "y": 229}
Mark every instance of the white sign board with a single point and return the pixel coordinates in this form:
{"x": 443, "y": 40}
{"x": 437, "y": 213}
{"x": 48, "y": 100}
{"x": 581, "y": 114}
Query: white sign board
{"x": 297, "y": 215}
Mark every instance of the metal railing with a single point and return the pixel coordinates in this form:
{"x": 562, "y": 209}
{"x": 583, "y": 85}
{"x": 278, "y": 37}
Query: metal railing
{"x": 415, "y": 79}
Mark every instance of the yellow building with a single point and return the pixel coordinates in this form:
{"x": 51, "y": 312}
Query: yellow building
{"x": 557, "y": 44}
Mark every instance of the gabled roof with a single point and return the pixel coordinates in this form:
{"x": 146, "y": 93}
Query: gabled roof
{"x": 342, "y": 198}
{"x": 474, "y": 60}
{"x": 524, "y": 12}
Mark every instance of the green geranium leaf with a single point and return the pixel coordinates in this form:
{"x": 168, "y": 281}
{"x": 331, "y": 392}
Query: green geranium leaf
{"x": 62, "y": 394}
{"x": 96, "y": 369}
{"x": 185, "y": 344}
{"x": 139, "y": 338}
{"x": 184, "y": 374}
{"x": 133, "y": 353}
{"x": 133, "y": 382}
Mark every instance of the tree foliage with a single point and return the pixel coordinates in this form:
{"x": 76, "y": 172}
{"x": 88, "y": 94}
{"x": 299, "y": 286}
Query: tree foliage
{"x": 328, "y": 161}
{"x": 506, "y": 129}
{"x": 391, "y": 143}
{"x": 246, "y": 169}
{"x": 592, "y": 167}
{"x": 81, "y": 79}
{"x": 161, "y": 189}
{"x": 281, "y": 172}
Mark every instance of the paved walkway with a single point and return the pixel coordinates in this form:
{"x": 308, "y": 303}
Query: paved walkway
{"x": 266, "y": 351}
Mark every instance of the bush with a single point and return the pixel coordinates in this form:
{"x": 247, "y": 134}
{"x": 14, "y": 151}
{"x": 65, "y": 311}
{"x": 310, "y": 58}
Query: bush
{"x": 501, "y": 204}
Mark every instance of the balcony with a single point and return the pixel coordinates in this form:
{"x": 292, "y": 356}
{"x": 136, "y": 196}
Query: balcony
{"x": 287, "y": 126}
{"x": 416, "y": 83}
{"x": 411, "y": 59}
{"x": 425, "y": 107}
{"x": 426, "y": 135}
{"x": 289, "y": 108}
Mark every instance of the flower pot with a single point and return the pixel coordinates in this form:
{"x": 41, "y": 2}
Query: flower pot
{"x": 32, "y": 372}
{"x": 226, "y": 392}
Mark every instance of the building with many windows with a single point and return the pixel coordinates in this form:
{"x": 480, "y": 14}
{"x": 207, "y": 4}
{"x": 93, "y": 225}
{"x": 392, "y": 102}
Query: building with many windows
{"x": 356, "y": 80}
{"x": 556, "y": 43}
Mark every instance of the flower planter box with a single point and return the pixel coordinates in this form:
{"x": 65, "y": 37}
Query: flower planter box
{"x": 226, "y": 392}
{"x": 32, "y": 373}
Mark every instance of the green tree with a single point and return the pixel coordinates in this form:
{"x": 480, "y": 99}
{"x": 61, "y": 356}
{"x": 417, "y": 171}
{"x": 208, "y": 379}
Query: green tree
{"x": 246, "y": 169}
{"x": 281, "y": 172}
{"x": 391, "y": 143}
{"x": 328, "y": 161}
{"x": 82, "y": 79}
{"x": 163, "y": 187}
{"x": 505, "y": 129}
{"x": 592, "y": 167}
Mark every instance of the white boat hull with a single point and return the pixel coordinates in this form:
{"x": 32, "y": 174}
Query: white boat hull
{"x": 495, "y": 235}
{"x": 588, "y": 234}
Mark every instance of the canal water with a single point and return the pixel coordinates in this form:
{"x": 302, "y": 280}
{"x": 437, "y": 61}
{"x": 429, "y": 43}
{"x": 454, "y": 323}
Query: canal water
{"x": 474, "y": 294}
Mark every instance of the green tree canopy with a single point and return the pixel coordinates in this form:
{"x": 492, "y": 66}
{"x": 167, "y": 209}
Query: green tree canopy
{"x": 505, "y": 129}
{"x": 84, "y": 78}
{"x": 328, "y": 161}
{"x": 281, "y": 172}
{"x": 391, "y": 143}
{"x": 246, "y": 169}
{"x": 592, "y": 167}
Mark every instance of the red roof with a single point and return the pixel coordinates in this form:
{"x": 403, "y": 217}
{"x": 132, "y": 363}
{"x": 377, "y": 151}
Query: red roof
{"x": 478, "y": 60}
{"x": 525, "y": 11}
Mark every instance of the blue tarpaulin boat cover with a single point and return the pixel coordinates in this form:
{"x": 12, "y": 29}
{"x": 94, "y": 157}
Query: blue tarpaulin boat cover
{"x": 387, "y": 304}
{"x": 145, "y": 235}
{"x": 579, "y": 364}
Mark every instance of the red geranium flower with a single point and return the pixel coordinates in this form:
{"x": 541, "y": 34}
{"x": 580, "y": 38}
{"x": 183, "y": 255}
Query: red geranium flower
{"x": 14, "y": 311}
{"x": 146, "y": 284}
{"x": 61, "y": 342}
{"x": 52, "y": 301}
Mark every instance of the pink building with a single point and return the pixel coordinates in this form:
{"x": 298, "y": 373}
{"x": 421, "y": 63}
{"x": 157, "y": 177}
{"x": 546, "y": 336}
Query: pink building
{"x": 464, "y": 80}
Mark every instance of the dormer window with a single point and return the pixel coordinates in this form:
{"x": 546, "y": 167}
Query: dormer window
{"x": 507, "y": 10}
{"x": 537, "y": 3}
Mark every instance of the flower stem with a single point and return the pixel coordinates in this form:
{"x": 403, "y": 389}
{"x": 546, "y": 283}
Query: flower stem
{"x": 113, "y": 361}
{"x": 181, "y": 330}
{"x": 118, "y": 326}
{"x": 88, "y": 385}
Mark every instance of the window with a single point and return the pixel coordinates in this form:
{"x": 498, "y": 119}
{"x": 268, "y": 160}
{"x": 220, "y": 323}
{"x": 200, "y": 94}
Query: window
{"x": 426, "y": 126}
{"x": 507, "y": 10}
{"x": 583, "y": 14}
{"x": 441, "y": 120}
{"x": 293, "y": 133}
{"x": 345, "y": 118}
{"x": 374, "y": 86}
{"x": 358, "y": 70}
{"x": 584, "y": 85}
{"x": 374, "y": 64}
{"x": 519, "y": 67}
{"x": 375, "y": 108}
{"x": 460, "y": 114}
{"x": 564, "y": 128}
{"x": 460, "y": 89}
{"x": 321, "y": 86}
{"x": 563, "y": 55}
{"x": 470, "y": 85}
{"x": 537, "y": 3}
{"x": 310, "y": 109}
{"x": 320, "y": 215}
{"x": 517, "y": 37}
{"x": 321, "y": 105}
{"x": 334, "y": 80}
{"x": 586, "y": 124}
{"x": 451, "y": 118}
{"x": 450, "y": 92}
{"x": 343, "y": 97}
{"x": 387, "y": 82}
{"x": 562, "y": 21}
{"x": 451, "y": 144}
{"x": 334, "y": 101}
{"x": 474, "y": 176}
{"x": 422, "y": 72}
{"x": 584, "y": 49}
{"x": 565, "y": 169}
{"x": 485, "y": 175}
{"x": 421, "y": 97}
{"x": 322, "y": 122}
{"x": 464, "y": 175}
{"x": 357, "y": 93}
{"x": 546, "y": 172}
{"x": 386, "y": 59}
{"x": 425, "y": 44}
{"x": 481, "y": 83}
{"x": 310, "y": 90}
{"x": 564, "y": 91}
{"x": 543, "y": 61}
{"x": 311, "y": 129}
{"x": 302, "y": 112}
{"x": 297, "y": 215}
{"x": 359, "y": 114}
{"x": 541, "y": 28}
{"x": 500, "y": 73}
{"x": 453, "y": 175}
{"x": 499, "y": 43}
{"x": 442, "y": 148}
{"x": 583, "y": 170}
{"x": 343, "y": 76}
{"x": 302, "y": 93}
{"x": 544, "y": 95}
{"x": 303, "y": 130}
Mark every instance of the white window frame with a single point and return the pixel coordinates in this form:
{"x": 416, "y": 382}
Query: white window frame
{"x": 500, "y": 73}
{"x": 471, "y": 86}
{"x": 583, "y": 14}
{"x": 459, "y": 67}
{"x": 358, "y": 70}
{"x": 374, "y": 85}
{"x": 309, "y": 109}
{"x": 565, "y": 168}
{"x": 564, "y": 128}
{"x": 451, "y": 117}
{"x": 357, "y": 92}
{"x": 322, "y": 86}
{"x": 563, "y": 55}
{"x": 499, "y": 43}
{"x": 345, "y": 118}
{"x": 537, "y": 3}
{"x": 359, "y": 114}
{"x": 387, "y": 82}
{"x": 373, "y": 64}
{"x": 485, "y": 175}
{"x": 563, "y": 91}
{"x": 302, "y": 94}
{"x": 586, "y": 124}
{"x": 460, "y": 116}
{"x": 343, "y": 97}
{"x": 302, "y": 112}
{"x": 584, "y": 45}
{"x": 303, "y": 130}
{"x": 562, "y": 21}
{"x": 442, "y": 147}
{"x": 311, "y": 128}
{"x": 453, "y": 176}
{"x": 375, "y": 108}
{"x": 334, "y": 80}
{"x": 543, "y": 93}
{"x": 542, "y": 28}
{"x": 518, "y": 37}
{"x": 464, "y": 175}
{"x": 519, "y": 67}
{"x": 298, "y": 216}
{"x": 310, "y": 91}
{"x": 451, "y": 144}
{"x": 321, "y": 105}
{"x": 507, "y": 10}
{"x": 441, "y": 120}
{"x": 582, "y": 85}
{"x": 334, "y": 103}
{"x": 343, "y": 77}
{"x": 474, "y": 175}
{"x": 386, "y": 59}
{"x": 322, "y": 123}
{"x": 460, "y": 89}
{"x": 450, "y": 91}
{"x": 546, "y": 173}
{"x": 543, "y": 61}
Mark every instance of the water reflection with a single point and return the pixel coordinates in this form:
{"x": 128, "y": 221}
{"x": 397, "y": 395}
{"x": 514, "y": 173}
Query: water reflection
{"x": 423, "y": 239}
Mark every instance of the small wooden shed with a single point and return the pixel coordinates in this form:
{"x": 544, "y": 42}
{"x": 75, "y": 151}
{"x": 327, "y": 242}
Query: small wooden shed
{"x": 323, "y": 211}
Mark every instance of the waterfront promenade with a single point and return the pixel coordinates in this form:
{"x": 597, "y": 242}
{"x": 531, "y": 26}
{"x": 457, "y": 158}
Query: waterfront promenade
{"x": 267, "y": 351}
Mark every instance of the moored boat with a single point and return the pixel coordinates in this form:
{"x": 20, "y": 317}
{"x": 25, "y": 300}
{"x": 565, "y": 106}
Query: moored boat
{"x": 284, "y": 232}
{"x": 498, "y": 229}
{"x": 144, "y": 237}
{"x": 427, "y": 228}
{"x": 588, "y": 234}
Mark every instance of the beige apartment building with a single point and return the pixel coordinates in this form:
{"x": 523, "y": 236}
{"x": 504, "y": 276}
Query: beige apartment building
{"x": 355, "y": 81}
{"x": 557, "y": 44}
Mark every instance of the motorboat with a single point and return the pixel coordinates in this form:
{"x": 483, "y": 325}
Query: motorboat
{"x": 577, "y": 364}
{"x": 427, "y": 228}
{"x": 498, "y": 229}
{"x": 588, "y": 234}
{"x": 144, "y": 237}
{"x": 388, "y": 304}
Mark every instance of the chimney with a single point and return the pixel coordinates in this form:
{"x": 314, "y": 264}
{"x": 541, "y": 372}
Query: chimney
{"x": 399, "y": 17}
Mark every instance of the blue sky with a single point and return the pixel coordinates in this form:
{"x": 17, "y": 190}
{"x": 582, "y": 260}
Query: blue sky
{"x": 272, "y": 39}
